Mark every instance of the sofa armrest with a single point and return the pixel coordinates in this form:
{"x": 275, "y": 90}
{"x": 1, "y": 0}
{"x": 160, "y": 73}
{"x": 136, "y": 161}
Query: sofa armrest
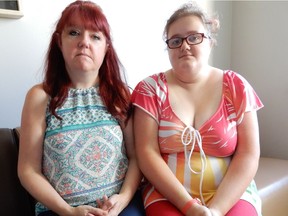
{"x": 272, "y": 183}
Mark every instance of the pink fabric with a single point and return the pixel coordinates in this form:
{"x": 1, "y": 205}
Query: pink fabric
{"x": 218, "y": 133}
{"x": 162, "y": 208}
{"x": 242, "y": 208}
{"x": 165, "y": 208}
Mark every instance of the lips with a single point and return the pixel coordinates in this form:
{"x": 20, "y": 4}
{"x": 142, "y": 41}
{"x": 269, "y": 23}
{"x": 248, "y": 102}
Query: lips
{"x": 83, "y": 54}
{"x": 185, "y": 55}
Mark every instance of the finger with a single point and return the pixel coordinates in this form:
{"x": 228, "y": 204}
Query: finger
{"x": 106, "y": 206}
{"x": 97, "y": 211}
{"x": 109, "y": 203}
{"x": 105, "y": 198}
{"x": 99, "y": 203}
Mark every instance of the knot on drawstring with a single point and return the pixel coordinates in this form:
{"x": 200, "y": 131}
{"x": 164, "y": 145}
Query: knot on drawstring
{"x": 192, "y": 136}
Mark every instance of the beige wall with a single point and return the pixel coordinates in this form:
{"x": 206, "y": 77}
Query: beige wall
{"x": 221, "y": 54}
{"x": 259, "y": 51}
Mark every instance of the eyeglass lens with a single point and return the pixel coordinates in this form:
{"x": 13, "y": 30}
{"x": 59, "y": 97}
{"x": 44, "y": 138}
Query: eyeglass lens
{"x": 192, "y": 39}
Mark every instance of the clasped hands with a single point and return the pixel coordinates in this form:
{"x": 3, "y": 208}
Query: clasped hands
{"x": 201, "y": 210}
{"x": 107, "y": 207}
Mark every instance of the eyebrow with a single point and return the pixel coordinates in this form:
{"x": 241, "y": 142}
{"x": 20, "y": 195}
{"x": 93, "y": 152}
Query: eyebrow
{"x": 187, "y": 33}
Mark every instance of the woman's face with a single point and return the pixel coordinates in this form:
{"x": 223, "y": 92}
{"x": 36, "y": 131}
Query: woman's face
{"x": 83, "y": 49}
{"x": 188, "y": 57}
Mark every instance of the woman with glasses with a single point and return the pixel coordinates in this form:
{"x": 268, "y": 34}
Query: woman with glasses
{"x": 196, "y": 128}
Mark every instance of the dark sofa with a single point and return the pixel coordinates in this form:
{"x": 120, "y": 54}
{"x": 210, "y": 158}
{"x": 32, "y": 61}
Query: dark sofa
{"x": 14, "y": 199}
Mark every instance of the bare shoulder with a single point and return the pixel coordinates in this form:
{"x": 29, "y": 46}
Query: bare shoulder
{"x": 37, "y": 90}
{"x": 216, "y": 75}
{"x": 36, "y": 99}
{"x": 217, "y": 71}
{"x": 37, "y": 94}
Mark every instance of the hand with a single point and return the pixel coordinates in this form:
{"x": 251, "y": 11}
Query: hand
{"x": 85, "y": 210}
{"x": 215, "y": 212}
{"x": 114, "y": 204}
{"x": 199, "y": 210}
{"x": 106, "y": 204}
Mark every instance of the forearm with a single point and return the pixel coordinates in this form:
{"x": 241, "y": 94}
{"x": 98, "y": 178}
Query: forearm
{"x": 133, "y": 175}
{"x": 239, "y": 175}
{"x": 243, "y": 166}
{"x": 163, "y": 179}
{"x": 38, "y": 186}
{"x": 132, "y": 181}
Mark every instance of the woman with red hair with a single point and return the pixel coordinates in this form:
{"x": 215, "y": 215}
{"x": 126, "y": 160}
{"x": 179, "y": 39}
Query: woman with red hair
{"x": 76, "y": 146}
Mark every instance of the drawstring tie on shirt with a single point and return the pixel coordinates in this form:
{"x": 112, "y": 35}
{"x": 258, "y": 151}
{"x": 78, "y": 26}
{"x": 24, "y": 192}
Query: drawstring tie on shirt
{"x": 190, "y": 136}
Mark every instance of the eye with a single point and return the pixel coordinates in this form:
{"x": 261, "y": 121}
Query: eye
{"x": 74, "y": 33}
{"x": 174, "y": 42}
{"x": 195, "y": 38}
{"x": 96, "y": 37}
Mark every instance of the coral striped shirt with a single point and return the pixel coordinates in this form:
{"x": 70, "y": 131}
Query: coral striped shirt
{"x": 214, "y": 142}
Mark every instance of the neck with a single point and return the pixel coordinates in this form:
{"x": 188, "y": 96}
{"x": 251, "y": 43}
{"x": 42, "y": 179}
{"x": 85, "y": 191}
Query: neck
{"x": 188, "y": 79}
{"x": 85, "y": 83}
{"x": 83, "y": 80}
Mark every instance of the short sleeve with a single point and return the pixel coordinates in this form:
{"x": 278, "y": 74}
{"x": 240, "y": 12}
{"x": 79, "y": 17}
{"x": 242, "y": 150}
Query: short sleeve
{"x": 241, "y": 93}
{"x": 149, "y": 95}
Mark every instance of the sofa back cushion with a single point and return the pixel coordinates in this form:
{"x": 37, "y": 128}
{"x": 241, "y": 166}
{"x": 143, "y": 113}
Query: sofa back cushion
{"x": 14, "y": 199}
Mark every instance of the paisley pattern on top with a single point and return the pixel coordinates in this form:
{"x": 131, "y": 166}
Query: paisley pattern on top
{"x": 84, "y": 157}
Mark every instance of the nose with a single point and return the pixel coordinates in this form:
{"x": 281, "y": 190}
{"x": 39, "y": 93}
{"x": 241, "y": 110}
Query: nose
{"x": 84, "y": 41}
{"x": 185, "y": 45}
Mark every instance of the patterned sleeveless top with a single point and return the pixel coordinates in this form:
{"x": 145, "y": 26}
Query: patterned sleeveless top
{"x": 84, "y": 157}
{"x": 200, "y": 157}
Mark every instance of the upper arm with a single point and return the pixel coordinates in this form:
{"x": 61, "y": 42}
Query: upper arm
{"x": 129, "y": 138}
{"x": 246, "y": 104}
{"x": 32, "y": 129}
{"x": 248, "y": 135}
{"x": 146, "y": 132}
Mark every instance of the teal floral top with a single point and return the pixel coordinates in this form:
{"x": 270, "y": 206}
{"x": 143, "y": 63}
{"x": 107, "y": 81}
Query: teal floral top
{"x": 84, "y": 157}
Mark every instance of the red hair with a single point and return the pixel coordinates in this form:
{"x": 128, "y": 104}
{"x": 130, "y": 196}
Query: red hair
{"x": 113, "y": 89}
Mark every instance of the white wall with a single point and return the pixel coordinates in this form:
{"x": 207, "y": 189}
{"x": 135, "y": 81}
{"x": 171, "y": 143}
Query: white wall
{"x": 23, "y": 44}
{"x": 137, "y": 28}
{"x": 221, "y": 54}
{"x": 253, "y": 41}
{"x": 260, "y": 53}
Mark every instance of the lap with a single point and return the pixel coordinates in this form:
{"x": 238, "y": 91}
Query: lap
{"x": 134, "y": 208}
{"x": 162, "y": 208}
{"x": 241, "y": 208}
{"x": 165, "y": 208}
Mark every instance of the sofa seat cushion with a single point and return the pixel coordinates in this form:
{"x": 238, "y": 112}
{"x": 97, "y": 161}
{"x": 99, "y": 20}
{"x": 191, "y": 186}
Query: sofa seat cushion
{"x": 272, "y": 183}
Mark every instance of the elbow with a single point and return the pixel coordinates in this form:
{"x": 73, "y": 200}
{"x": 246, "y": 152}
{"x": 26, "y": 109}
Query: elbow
{"x": 21, "y": 172}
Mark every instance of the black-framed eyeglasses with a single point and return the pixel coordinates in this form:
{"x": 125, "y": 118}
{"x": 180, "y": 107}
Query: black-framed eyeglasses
{"x": 192, "y": 39}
